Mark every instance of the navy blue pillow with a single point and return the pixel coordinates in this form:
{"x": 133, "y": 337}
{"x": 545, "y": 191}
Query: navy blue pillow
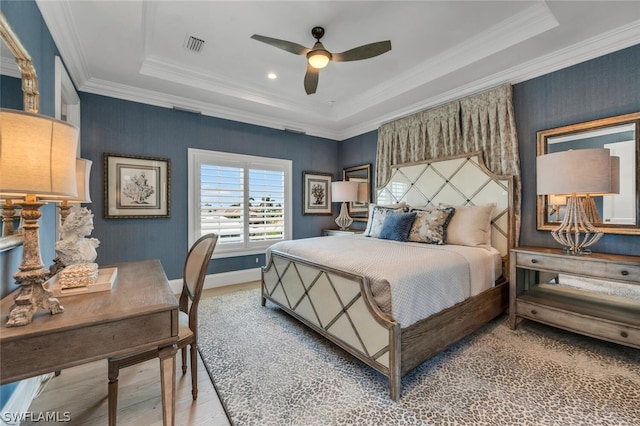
{"x": 396, "y": 226}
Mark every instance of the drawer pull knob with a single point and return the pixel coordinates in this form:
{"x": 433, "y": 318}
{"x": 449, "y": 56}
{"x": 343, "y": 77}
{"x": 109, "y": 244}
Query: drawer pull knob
{"x": 534, "y": 312}
{"x": 624, "y": 334}
{"x": 534, "y": 260}
{"x": 625, "y": 273}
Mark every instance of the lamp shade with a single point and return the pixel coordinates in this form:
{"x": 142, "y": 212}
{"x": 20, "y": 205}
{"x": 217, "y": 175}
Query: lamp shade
{"x": 580, "y": 171}
{"x": 557, "y": 200}
{"x": 344, "y": 191}
{"x": 83, "y": 172}
{"x": 37, "y": 155}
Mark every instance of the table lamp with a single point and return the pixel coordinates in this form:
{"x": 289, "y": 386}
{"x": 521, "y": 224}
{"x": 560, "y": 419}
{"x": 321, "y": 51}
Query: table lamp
{"x": 344, "y": 191}
{"x": 37, "y": 161}
{"x": 576, "y": 174}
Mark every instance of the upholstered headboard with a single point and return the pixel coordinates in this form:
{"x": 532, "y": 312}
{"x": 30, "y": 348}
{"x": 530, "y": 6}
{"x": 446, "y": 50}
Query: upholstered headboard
{"x": 458, "y": 181}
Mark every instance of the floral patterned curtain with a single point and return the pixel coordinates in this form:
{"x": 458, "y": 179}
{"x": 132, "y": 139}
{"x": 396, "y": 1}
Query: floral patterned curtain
{"x": 482, "y": 122}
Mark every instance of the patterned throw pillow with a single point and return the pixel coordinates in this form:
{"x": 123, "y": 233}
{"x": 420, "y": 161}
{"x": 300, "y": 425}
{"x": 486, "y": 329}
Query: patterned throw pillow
{"x": 377, "y": 215}
{"x": 430, "y": 226}
{"x": 396, "y": 226}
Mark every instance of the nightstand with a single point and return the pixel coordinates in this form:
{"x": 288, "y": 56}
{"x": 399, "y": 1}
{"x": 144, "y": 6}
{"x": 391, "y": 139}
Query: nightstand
{"x": 333, "y": 232}
{"x": 588, "y": 309}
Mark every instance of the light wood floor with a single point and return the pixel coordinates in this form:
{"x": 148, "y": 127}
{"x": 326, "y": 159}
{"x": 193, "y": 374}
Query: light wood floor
{"x": 82, "y": 391}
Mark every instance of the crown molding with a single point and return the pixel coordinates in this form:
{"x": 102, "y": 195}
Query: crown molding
{"x": 527, "y": 24}
{"x": 149, "y": 97}
{"x": 329, "y": 122}
{"x": 59, "y": 19}
{"x": 609, "y": 42}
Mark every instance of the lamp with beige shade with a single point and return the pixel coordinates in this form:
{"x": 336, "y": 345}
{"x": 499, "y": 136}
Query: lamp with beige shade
{"x": 344, "y": 192}
{"x": 37, "y": 162}
{"x": 577, "y": 173}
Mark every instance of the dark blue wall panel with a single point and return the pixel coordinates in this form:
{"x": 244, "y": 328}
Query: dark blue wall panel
{"x": 122, "y": 127}
{"x": 603, "y": 87}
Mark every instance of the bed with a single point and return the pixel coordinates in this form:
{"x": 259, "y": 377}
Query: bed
{"x": 395, "y": 304}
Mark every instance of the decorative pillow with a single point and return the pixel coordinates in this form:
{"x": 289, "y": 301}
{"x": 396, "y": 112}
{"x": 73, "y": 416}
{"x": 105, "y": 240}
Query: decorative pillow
{"x": 396, "y": 226}
{"x": 471, "y": 226}
{"x": 430, "y": 225}
{"x": 377, "y": 213}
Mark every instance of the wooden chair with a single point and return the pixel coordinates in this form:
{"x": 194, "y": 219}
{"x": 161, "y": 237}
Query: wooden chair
{"x": 195, "y": 269}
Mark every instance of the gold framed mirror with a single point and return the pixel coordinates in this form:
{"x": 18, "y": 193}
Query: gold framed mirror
{"x": 359, "y": 210}
{"x": 619, "y": 213}
{"x": 11, "y": 46}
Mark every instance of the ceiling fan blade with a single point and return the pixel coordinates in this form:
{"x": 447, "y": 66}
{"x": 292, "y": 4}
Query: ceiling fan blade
{"x": 289, "y": 46}
{"x": 363, "y": 52}
{"x": 311, "y": 79}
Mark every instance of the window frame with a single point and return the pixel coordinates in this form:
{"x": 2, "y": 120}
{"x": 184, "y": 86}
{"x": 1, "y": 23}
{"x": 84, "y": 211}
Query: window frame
{"x": 197, "y": 157}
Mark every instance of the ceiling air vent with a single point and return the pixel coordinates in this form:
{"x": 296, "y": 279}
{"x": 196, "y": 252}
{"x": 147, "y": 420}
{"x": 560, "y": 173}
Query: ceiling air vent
{"x": 194, "y": 44}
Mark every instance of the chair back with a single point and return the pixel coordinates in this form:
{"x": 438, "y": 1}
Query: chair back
{"x": 195, "y": 270}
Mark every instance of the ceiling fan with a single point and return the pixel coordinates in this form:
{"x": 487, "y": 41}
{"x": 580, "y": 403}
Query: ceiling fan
{"x": 318, "y": 57}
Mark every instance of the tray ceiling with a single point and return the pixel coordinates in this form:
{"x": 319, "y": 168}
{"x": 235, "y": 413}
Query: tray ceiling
{"x": 441, "y": 50}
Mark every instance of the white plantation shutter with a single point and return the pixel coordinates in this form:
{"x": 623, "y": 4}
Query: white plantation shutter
{"x": 244, "y": 199}
{"x": 266, "y": 205}
{"x": 222, "y": 202}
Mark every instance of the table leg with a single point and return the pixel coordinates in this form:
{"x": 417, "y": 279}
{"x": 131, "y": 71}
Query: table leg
{"x": 167, "y": 378}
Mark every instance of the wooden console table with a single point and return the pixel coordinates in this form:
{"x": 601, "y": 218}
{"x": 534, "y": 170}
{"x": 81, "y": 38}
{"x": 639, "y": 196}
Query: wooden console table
{"x": 139, "y": 313}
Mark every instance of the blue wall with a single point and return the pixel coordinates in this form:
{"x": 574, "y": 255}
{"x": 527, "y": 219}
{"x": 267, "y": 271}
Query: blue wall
{"x": 123, "y": 127}
{"x": 603, "y": 87}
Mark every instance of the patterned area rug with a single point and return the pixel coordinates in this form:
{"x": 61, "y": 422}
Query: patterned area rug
{"x": 270, "y": 370}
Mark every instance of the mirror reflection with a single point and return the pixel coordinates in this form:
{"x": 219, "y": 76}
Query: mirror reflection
{"x": 614, "y": 213}
{"x": 12, "y": 50}
{"x": 359, "y": 210}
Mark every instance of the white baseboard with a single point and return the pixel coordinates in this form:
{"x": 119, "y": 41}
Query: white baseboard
{"x": 222, "y": 279}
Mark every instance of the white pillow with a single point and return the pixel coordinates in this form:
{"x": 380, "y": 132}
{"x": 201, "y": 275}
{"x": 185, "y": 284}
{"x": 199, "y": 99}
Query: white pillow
{"x": 471, "y": 226}
{"x": 377, "y": 214}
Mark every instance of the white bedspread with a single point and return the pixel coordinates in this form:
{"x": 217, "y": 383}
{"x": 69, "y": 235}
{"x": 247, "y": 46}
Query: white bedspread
{"x": 409, "y": 281}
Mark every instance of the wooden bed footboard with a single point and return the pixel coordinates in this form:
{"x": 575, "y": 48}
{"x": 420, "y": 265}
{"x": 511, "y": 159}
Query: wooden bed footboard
{"x": 341, "y": 308}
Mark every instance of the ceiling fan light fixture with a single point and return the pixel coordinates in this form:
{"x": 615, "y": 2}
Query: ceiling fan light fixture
{"x": 318, "y": 58}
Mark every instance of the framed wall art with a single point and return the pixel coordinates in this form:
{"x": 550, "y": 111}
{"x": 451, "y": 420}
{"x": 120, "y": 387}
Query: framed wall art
{"x": 316, "y": 193}
{"x": 136, "y": 186}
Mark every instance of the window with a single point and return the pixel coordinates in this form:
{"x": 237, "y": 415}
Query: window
{"x": 244, "y": 199}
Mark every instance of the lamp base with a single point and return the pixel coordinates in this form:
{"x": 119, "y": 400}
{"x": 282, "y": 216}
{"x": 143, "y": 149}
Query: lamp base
{"x": 344, "y": 220}
{"x": 29, "y": 299}
{"x": 32, "y": 275}
{"x": 576, "y": 232}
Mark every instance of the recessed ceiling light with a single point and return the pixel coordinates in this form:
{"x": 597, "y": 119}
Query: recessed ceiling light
{"x": 272, "y": 76}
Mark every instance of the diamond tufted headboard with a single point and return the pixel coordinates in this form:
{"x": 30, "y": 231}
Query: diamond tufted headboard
{"x": 458, "y": 181}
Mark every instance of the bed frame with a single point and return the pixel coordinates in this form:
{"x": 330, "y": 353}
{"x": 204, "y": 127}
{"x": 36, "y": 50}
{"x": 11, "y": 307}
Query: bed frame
{"x": 341, "y": 307}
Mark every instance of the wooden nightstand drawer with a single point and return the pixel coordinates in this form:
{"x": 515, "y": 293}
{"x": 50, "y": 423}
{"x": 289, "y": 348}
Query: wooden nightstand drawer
{"x": 579, "y": 265}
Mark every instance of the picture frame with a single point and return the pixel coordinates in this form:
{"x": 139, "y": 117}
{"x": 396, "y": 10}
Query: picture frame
{"x": 316, "y": 193}
{"x": 136, "y": 187}
{"x": 359, "y": 210}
